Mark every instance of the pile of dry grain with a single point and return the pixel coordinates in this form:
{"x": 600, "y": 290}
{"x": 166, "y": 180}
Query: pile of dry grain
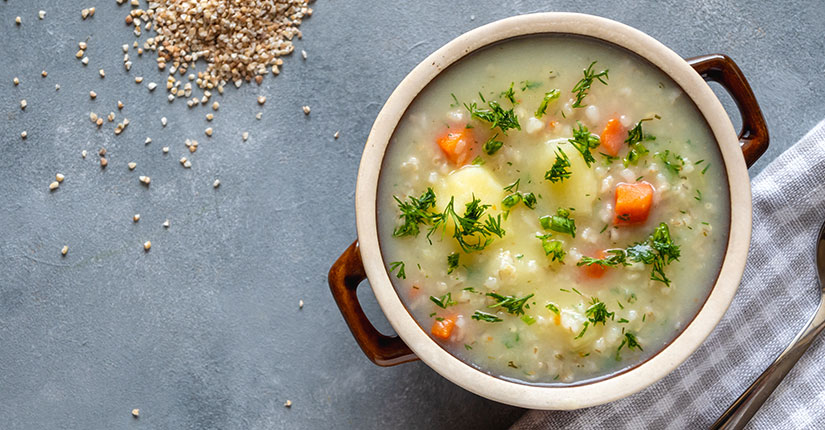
{"x": 240, "y": 40}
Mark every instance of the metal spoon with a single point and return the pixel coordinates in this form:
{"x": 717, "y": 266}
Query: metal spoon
{"x": 743, "y": 409}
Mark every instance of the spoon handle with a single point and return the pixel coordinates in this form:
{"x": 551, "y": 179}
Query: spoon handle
{"x": 743, "y": 409}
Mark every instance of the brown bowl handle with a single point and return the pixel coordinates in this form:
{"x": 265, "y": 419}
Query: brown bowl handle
{"x": 344, "y": 277}
{"x": 753, "y": 137}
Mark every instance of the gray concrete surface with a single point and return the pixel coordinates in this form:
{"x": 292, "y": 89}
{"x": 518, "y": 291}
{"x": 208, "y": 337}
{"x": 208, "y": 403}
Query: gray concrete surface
{"x": 204, "y": 331}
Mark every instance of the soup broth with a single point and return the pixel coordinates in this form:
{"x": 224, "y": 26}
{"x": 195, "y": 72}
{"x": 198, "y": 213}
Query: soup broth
{"x": 553, "y": 209}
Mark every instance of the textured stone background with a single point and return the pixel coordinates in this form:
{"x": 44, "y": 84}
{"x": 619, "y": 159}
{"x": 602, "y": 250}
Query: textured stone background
{"x": 204, "y": 331}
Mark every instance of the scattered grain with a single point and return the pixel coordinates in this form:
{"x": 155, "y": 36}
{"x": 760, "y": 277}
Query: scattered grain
{"x": 300, "y": 304}
{"x": 136, "y": 411}
{"x": 103, "y": 162}
{"x": 65, "y": 250}
{"x": 163, "y": 121}
{"x": 145, "y": 180}
{"x": 245, "y": 136}
{"x": 217, "y": 183}
{"x": 57, "y": 87}
{"x": 44, "y": 73}
{"x": 336, "y": 135}
{"x": 93, "y": 95}
{"x": 119, "y": 105}
{"x": 136, "y": 218}
{"x": 259, "y": 115}
{"x": 99, "y": 122}
{"x": 18, "y": 21}
{"x": 215, "y": 105}
{"x": 101, "y": 152}
{"x": 288, "y": 403}
{"x": 53, "y": 186}
{"x": 208, "y": 131}
{"x": 138, "y": 79}
{"x": 23, "y": 104}
{"x": 209, "y": 117}
{"x": 81, "y": 45}
{"x": 102, "y": 73}
{"x": 166, "y": 224}
{"x": 16, "y": 81}
{"x": 60, "y": 177}
{"x": 83, "y": 153}
{"x": 147, "y": 245}
{"x": 132, "y": 165}
{"x": 303, "y": 54}
{"x": 24, "y": 134}
{"x": 41, "y": 14}
{"x": 261, "y": 100}
{"x": 306, "y": 110}
{"x": 165, "y": 149}
{"x": 85, "y": 60}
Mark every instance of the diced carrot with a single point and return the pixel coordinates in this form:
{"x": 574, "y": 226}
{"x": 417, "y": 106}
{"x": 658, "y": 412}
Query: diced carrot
{"x": 557, "y": 319}
{"x": 633, "y": 202}
{"x": 595, "y": 270}
{"x": 458, "y": 145}
{"x": 612, "y": 137}
{"x": 443, "y": 328}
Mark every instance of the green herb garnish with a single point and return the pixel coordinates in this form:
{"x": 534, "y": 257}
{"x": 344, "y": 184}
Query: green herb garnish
{"x": 469, "y": 225}
{"x": 675, "y": 166}
{"x": 400, "y": 266}
{"x": 634, "y": 141}
{"x": 491, "y": 146}
{"x": 529, "y": 85}
{"x": 484, "y": 316}
{"x": 414, "y": 212}
{"x": 548, "y": 97}
{"x": 560, "y": 170}
{"x": 495, "y": 115}
{"x": 631, "y": 342}
{"x": 584, "y": 141}
{"x": 509, "y": 94}
{"x": 512, "y": 304}
{"x": 552, "y": 247}
{"x": 553, "y": 308}
{"x": 452, "y": 262}
{"x": 443, "y": 301}
{"x": 614, "y": 258}
{"x": 561, "y": 222}
{"x": 583, "y": 86}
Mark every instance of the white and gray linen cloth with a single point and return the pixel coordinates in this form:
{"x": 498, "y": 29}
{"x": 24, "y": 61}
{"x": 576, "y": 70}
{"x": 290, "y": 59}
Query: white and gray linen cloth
{"x": 778, "y": 295}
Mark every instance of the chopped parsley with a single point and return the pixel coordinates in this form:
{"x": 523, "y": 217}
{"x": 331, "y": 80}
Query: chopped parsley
{"x": 698, "y": 195}
{"x": 528, "y": 319}
{"x": 512, "y": 304}
{"x": 552, "y": 247}
{"x": 452, "y": 262}
{"x": 553, "y": 308}
{"x": 467, "y": 347}
{"x": 584, "y": 141}
{"x": 548, "y": 97}
{"x": 561, "y": 222}
{"x": 583, "y": 86}
{"x": 400, "y": 266}
{"x": 443, "y": 301}
{"x": 415, "y": 211}
{"x": 706, "y": 168}
{"x": 478, "y": 161}
{"x": 484, "y": 316}
{"x": 468, "y": 226}
{"x": 560, "y": 170}
{"x": 516, "y": 196}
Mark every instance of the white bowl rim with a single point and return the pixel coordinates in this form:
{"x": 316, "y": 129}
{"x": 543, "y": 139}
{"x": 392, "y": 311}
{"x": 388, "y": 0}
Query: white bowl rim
{"x": 622, "y": 384}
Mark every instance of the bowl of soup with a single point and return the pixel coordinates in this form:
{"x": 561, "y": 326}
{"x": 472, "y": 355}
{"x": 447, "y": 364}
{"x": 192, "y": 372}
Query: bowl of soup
{"x": 553, "y": 211}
